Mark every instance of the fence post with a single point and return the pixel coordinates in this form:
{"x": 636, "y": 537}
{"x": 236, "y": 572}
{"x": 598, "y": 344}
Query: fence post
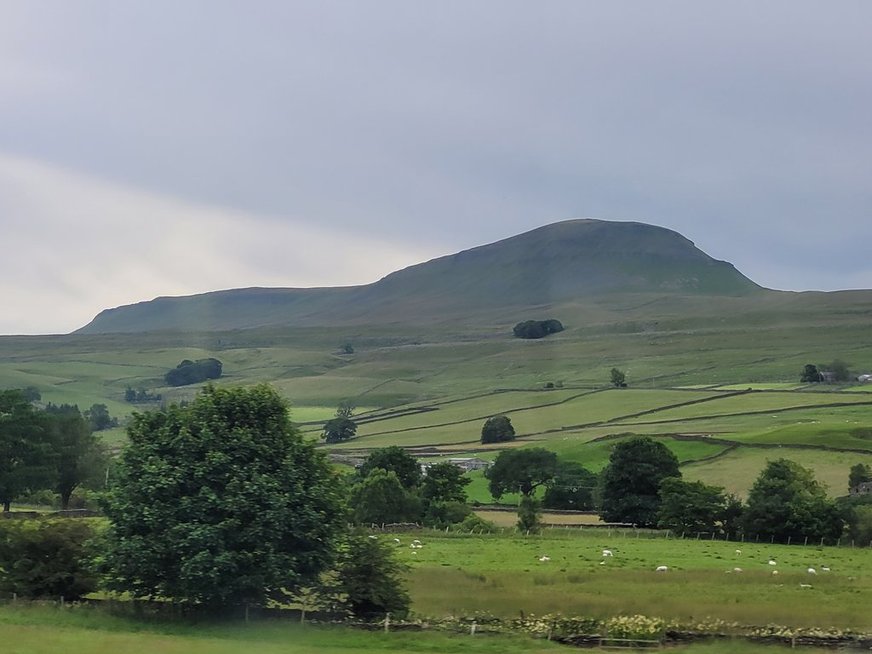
{"x": 806, "y": 540}
{"x": 387, "y": 622}
{"x": 788, "y": 539}
{"x": 472, "y": 628}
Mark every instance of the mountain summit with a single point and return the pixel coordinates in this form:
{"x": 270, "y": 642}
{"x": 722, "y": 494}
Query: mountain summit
{"x": 562, "y": 262}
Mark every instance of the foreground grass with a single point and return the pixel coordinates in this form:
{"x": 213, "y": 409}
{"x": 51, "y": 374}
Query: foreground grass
{"x": 39, "y": 630}
{"x": 43, "y": 630}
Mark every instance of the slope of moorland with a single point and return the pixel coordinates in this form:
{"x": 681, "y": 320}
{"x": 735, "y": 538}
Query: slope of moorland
{"x": 433, "y": 354}
{"x": 557, "y": 263}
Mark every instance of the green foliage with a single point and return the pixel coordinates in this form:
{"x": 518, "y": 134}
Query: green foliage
{"x": 860, "y": 524}
{"x": 810, "y": 374}
{"x": 370, "y": 579}
{"x": 444, "y": 482}
{"x": 477, "y": 524}
{"x": 220, "y": 503}
{"x": 537, "y": 328}
{"x": 79, "y": 455}
{"x": 787, "y": 501}
{"x": 572, "y": 488}
{"x": 859, "y": 474}
{"x": 441, "y": 514}
{"x": 618, "y": 378}
{"x": 345, "y": 409}
{"x": 521, "y": 471}
{"x": 99, "y": 418}
{"x": 140, "y": 395}
{"x": 691, "y": 506}
{"x": 631, "y": 481}
{"x": 193, "y": 372}
{"x": 27, "y": 460}
{"x": 46, "y": 558}
{"x": 396, "y": 459}
{"x": 339, "y": 429}
{"x": 381, "y": 498}
{"x": 529, "y": 520}
{"x": 497, "y": 429}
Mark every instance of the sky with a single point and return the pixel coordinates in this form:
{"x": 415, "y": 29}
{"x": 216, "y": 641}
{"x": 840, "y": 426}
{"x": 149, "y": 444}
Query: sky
{"x": 159, "y": 147}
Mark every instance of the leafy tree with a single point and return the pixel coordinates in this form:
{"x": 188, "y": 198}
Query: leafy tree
{"x": 859, "y": 474}
{"x": 528, "y": 515}
{"x": 571, "y": 489}
{"x": 786, "y": 500}
{"x": 618, "y": 378}
{"x": 532, "y": 329}
{"x": 220, "y": 503}
{"x": 339, "y": 429}
{"x": 79, "y": 455}
{"x": 380, "y": 498}
{"x": 631, "y": 481}
{"x": 442, "y": 514}
{"x": 444, "y": 482}
{"x": 345, "y": 409}
{"x": 521, "y": 471}
{"x": 497, "y": 429}
{"x": 370, "y": 579}
{"x": 98, "y": 416}
{"x": 394, "y": 458}
{"x": 860, "y": 524}
{"x": 691, "y": 506}
{"x": 46, "y": 558}
{"x": 810, "y": 374}
{"x": 31, "y": 394}
{"x": 26, "y": 454}
{"x": 193, "y": 372}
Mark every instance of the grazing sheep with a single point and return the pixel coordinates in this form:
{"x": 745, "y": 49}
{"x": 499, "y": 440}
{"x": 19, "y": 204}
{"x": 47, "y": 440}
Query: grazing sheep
{"x": 738, "y": 552}
{"x": 544, "y": 558}
{"x": 373, "y": 537}
{"x": 737, "y": 569}
{"x": 805, "y": 585}
{"x": 825, "y": 569}
{"x": 662, "y": 568}
{"x": 602, "y": 562}
{"x": 811, "y": 571}
{"x": 607, "y": 553}
{"x": 775, "y": 572}
{"x": 772, "y": 562}
{"x": 397, "y": 541}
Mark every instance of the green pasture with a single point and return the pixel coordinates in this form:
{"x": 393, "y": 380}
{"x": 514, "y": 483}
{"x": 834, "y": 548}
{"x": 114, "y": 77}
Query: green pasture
{"x": 504, "y": 575}
{"x": 736, "y": 470}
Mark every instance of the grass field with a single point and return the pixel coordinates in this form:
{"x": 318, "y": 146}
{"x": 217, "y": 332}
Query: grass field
{"x": 502, "y": 575}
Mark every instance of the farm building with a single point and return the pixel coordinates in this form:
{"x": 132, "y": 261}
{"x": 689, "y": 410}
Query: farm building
{"x": 863, "y": 488}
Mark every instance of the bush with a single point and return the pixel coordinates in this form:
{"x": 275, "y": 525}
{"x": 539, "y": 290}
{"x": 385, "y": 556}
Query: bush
{"x": 370, "y": 579}
{"x": 443, "y": 514}
{"x": 475, "y": 523}
{"x": 537, "y": 328}
{"x": 46, "y": 558}
{"x": 193, "y": 372}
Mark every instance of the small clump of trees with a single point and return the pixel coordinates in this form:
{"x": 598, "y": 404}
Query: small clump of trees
{"x": 340, "y": 427}
{"x": 497, "y": 429}
{"x": 532, "y": 329}
{"x": 193, "y": 372}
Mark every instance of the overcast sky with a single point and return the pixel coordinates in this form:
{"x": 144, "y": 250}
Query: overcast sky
{"x": 170, "y": 147}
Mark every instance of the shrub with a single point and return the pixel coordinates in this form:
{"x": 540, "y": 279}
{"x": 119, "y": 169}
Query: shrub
{"x": 46, "y": 558}
{"x": 537, "y": 328}
{"x": 370, "y": 579}
{"x": 472, "y": 522}
{"x": 193, "y": 372}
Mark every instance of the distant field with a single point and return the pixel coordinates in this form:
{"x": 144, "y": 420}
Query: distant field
{"x": 502, "y": 575}
{"x": 508, "y": 519}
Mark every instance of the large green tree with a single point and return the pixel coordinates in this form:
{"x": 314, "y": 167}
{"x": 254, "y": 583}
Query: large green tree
{"x": 220, "y": 503}
{"x": 572, "y": 488}
{"x": 339, "y": 429}
{"x": 787, "y": 501}
{"x": 394, "y": 458}
{"x": 79, "y": 454}
{"x": 631, "y": 481}
{"x": 370, "y": 581}
{"x": 497, "y": 429}
{"x": 691, "y": 506}
{"x": 380, "y": 498}
{"x": 27, "y": 459}
{"x": 521, "y": 471}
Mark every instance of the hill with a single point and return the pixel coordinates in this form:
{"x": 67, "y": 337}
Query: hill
{"x": 569, "y": 261}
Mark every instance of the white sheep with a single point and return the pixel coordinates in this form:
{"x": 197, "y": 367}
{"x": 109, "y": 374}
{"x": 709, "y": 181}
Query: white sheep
{"x": 397, "y": 541}
{"x": 607, "y": 553}
{"x": 662, "y": 568}
{"x": 825, "y": 569}
{"x": 738, "y": 552}
{"x": 805, "y": 585}
{"x": 811, "y": 571}
{"x": 544, "y": 558}
{"x": 737, "y": 569}
{"x": 772, "y": 562}
{"x": 775, "y": 572}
